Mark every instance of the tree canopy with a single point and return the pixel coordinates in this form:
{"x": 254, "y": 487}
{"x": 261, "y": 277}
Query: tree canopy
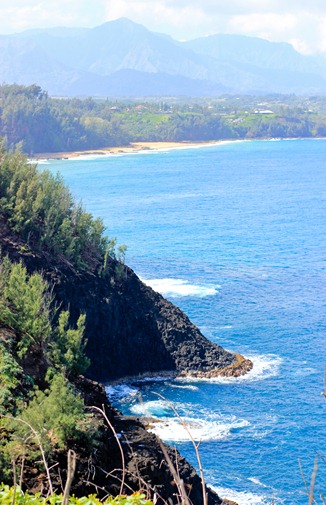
{"x": 43, "y": 124}
{"x": 40, "y": 208}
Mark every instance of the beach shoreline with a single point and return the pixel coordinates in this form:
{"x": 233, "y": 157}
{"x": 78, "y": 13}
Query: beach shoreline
{"x": 133, "y": 147}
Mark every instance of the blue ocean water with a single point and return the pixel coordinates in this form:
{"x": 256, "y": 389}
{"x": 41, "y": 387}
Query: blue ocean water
{"x": 234, "y": 234}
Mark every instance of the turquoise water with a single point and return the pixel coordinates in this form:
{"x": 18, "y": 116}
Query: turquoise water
{"x": 234, "y": 234}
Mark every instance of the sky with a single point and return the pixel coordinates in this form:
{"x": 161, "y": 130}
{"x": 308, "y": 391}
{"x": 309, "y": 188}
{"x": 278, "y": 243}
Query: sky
{"x": 302, "y": 23}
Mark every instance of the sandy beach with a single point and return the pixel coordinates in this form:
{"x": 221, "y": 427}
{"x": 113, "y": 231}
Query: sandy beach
{"x": 134, "y": 147}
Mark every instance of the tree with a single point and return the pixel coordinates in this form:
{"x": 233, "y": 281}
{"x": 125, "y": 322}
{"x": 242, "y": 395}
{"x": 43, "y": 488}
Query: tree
{"x": 67, "y": 348}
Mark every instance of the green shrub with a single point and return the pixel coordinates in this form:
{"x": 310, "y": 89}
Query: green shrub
{"x": 25, "y": 306}
{"x": 67, "y": 349}
{"x": 41, "y": 209}
{"x": 8, "y": 494}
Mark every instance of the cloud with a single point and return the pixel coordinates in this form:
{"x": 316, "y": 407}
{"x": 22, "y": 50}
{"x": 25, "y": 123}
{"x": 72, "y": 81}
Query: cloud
{"x": 296, "y": 21}
{"x": 305, "y": 32}
{"x": 19, "y": 15}
{"x": 293, "y": 21}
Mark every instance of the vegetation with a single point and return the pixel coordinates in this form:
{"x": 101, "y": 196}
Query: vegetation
{"x": 35, "y": 420}
{"x": 41, "y": 354}
{"x": 39, "y": 207}
{"x": 8, "y": 494}
{"x": 43, "y": 124}
{"x": 25, "y": 306}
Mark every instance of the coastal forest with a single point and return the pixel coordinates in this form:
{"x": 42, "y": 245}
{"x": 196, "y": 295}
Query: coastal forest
{"x": 65, "y": 293}
{"x": 44, "y": 124}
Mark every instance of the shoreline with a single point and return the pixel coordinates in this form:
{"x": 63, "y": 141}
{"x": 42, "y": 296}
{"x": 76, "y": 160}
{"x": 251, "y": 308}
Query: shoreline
{"x": 132, "y": 148}
{"x": 145, "y": 147}
{"x": 241, "y": 366}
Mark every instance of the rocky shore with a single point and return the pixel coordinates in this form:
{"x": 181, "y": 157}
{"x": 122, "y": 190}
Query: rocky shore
{"x": 144, "y": 466}
{"x": 239, "y": 367}
{"x": 131, "y": 331}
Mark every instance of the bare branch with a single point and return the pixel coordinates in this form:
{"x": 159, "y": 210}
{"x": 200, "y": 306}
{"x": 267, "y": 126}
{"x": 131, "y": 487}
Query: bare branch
{"x": 71, "y": 468}
{"x": 102, "y": 411}
{"x": 196, "y": 446}
{"x": 39, "y": 444}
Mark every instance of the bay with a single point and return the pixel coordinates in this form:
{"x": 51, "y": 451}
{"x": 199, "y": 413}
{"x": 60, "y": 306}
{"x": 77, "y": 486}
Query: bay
{"x": 234, "y": 234}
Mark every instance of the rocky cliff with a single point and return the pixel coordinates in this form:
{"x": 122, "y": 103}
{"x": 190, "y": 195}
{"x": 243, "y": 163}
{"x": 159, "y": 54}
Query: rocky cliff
{"x": 131, "y": 330}
{"x": 145, "y": 465}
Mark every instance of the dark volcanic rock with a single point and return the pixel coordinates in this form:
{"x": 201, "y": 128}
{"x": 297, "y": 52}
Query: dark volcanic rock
{"x": 145, "y": 463}
{"x": 131, "y": 330}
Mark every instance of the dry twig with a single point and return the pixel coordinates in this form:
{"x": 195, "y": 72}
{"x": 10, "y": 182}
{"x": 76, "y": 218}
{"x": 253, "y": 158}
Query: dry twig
{"x": 102, "y": 411}
{"x": 196, "y": 446}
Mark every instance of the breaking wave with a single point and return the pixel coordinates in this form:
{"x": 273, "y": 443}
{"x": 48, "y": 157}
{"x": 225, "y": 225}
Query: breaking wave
{"x": 241, "y": 497}
{"x": 179, "y": 287}
{"x": 265, "y": 367}
{"x": 217, "y": 427}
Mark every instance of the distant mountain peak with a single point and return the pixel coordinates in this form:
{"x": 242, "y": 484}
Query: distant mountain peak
{"x": 75, "y": 61}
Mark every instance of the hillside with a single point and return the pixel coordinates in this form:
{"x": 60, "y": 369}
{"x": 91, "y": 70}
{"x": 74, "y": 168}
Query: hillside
{"x": 40, "y": 124}
{"x": 69, "y": 305}
{"x": 114, "y": 58}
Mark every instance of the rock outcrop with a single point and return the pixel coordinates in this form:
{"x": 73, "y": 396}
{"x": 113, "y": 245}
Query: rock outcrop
{"x": 144, "y": 464}
{"x": 131, "y": 330}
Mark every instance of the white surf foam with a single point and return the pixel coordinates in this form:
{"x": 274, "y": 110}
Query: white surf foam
{"x": 186, "y": 386}
{"x": 120, "y": 391}
{"x": 154, "y": 408}
{"x": 39, "y": 162}
{"x": 264, "y": 367}
{"x": 180, "y": 287}
{"x": 254, "y": 480}
{"x": 216, "y": 428}
{"x": 241, "y": 497}
{"x": 89, "y": 157}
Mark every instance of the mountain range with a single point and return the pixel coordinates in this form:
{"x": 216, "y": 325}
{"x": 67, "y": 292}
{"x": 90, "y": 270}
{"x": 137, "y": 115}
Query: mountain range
{"x": 124, "y": 59}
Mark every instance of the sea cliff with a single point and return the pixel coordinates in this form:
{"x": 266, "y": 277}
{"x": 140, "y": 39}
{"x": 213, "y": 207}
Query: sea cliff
{"x": 130, "y": 330}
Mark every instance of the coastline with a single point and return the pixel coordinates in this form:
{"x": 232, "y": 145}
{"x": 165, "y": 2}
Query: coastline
{"x": 143, "y": 147}
{"x": 133, "y": 147}
{"x": 240, "y": 367}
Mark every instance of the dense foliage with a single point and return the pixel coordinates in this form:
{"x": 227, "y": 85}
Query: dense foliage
{"x": 41, "y": 354}
{"x": 39, "y": 410}
{"x": 8, "y": 494}
{"x": 29, "y": 116}
{"x": 40, "y": 208}
{"x": 43, "y": 124}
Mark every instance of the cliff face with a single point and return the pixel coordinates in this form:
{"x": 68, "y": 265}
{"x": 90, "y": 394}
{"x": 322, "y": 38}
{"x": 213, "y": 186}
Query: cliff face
{"x": 130, "y": 329}
{"x": 145, "y": 465}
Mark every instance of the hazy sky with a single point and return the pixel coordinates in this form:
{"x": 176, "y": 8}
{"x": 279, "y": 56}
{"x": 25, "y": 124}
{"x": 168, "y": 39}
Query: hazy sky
{"x": 300, "y": 22}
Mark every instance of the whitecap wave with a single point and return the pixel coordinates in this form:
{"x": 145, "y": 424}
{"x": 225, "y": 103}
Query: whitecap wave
{"x": 180, "y": 287}
{"x": 241, "y": 497}
{"x": 177, "y": 430}
{"x": 154, "y": 408}
{"x": 156, "y": 378}
{"x": 264, "y": 367}
{"x": 39, "y": 162}
{"x": 120, "y": 391}
{"x": 256, "y": 481}
{"x": 186, "y": 386}
{"x": 89, "y": 156}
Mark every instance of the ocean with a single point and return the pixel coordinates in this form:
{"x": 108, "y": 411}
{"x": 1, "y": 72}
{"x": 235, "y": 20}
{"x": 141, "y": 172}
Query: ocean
{"x": 234, "y": 234}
